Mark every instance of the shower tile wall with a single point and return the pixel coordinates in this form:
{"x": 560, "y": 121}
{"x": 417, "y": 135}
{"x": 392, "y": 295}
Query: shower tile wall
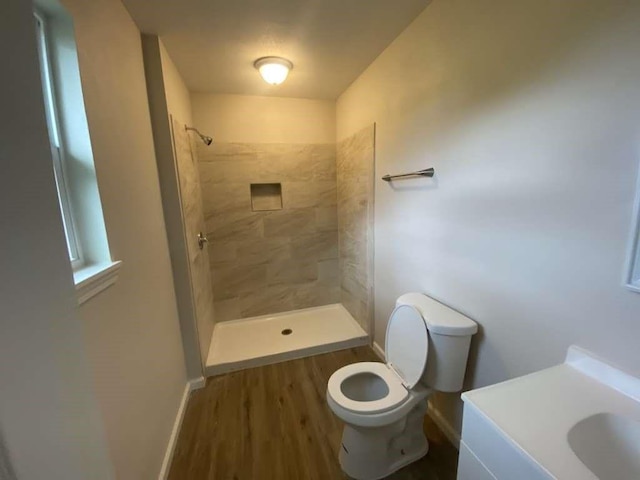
{"x": 266, "y": 262}
{"x": 193, "y": 217}
{"x": 355, "y": 164}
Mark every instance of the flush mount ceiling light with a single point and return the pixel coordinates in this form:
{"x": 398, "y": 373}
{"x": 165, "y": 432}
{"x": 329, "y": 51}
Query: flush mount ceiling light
{"x": 274, "y": 70}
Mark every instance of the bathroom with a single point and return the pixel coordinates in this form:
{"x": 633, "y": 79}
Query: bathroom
{"x": 527, "y": 112}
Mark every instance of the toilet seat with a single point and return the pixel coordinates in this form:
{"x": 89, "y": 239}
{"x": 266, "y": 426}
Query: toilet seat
{"x": 407, "y": 346}
{"x": 396, "y": 395}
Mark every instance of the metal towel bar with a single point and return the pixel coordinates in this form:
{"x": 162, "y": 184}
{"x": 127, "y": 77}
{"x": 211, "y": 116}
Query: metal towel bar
{"x": 427, "y": 172}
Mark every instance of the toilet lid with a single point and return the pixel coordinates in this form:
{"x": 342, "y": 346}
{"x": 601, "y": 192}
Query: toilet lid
{"x": 407, "y": 344}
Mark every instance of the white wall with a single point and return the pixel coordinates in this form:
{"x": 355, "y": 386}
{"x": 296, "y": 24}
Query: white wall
{"x": 530, "y": 113}
{"x": 50, "y": 425}
{"x": 253, "y": 119}
{"x": 132, "y": 329}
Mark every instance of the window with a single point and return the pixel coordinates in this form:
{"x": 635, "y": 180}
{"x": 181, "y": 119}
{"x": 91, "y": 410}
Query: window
{"x": 633, "y": 269}
{"x": 72, "y": 153}
{"x": 57, "y": 150}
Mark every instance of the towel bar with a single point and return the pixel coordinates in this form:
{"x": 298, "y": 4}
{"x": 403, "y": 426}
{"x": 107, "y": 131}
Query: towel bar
{"x": 427, "y": 172}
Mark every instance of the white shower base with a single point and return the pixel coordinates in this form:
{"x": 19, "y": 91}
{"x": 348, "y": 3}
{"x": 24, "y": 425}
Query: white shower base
{"x": 256, "y": 341}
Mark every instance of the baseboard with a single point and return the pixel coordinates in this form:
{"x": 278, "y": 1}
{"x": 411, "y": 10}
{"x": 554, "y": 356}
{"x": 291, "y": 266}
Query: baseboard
{"x": 452, "y": 435}
{"x": 197, "y": 383}
{"x": 191, "y": 385}
{"x": 379, "y": 351}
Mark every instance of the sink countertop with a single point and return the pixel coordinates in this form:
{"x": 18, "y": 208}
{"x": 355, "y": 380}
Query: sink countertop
{"x": 536, "y": 411}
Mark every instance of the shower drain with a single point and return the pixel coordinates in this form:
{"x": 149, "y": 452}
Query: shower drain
{"x": 286, "y": 331}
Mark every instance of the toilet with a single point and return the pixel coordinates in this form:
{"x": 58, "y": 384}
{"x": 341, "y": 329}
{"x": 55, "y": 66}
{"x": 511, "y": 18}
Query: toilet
{"x": 383, "y": 404}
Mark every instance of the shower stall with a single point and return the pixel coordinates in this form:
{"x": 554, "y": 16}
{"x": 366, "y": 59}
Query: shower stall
{"x": 271, "y": 243}
{"x": 289, "y": 230}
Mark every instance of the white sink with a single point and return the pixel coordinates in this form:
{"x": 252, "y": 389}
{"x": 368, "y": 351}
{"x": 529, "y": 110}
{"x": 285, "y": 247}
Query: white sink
{"x": 608, "y": 444}
{"x": 577, "y": 420}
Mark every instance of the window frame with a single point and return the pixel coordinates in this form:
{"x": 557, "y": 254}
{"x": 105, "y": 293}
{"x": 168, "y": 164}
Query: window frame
{"x": 55, "y": 140}
{"x": 632, "y": 274}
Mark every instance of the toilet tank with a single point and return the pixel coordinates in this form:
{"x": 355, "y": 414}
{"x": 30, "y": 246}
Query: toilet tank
{"x": 450, "y": 335}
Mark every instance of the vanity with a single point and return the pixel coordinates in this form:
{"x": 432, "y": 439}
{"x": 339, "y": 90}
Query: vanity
{"x": 576, "y": 421}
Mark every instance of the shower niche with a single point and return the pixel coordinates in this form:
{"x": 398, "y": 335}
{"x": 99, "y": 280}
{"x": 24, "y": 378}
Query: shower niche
{"x": 266, "y": 197}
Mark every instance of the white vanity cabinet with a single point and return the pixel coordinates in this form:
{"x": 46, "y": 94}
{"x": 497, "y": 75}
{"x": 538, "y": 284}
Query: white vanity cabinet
{"x": 487, "y": 454}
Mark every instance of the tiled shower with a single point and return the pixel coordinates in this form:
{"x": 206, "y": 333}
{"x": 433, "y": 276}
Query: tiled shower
{"x": 355, "y": 173}
{"x": 289, "y": 228}
{"x": 278, "y": 251}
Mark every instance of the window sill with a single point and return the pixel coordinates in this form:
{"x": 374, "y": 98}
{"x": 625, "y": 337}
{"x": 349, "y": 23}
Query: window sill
{"x": 93, "y": 279}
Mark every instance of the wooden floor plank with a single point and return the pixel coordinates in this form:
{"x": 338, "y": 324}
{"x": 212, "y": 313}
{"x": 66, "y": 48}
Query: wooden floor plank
{"x": 273, "y": 423}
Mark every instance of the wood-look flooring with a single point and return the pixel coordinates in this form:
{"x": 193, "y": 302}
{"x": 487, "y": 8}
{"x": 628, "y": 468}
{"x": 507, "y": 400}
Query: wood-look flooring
{"x": 273, "y": 422}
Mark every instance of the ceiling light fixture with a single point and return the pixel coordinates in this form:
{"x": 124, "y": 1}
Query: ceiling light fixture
{"x": 274, "y": 70}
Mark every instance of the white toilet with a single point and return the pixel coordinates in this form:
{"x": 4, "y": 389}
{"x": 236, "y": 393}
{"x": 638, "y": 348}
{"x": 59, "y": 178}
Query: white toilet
{"x": 383, "y": 404}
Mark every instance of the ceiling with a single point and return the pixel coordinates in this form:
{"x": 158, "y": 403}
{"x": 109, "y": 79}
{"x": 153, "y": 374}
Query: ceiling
{"x": 330, "y": 42}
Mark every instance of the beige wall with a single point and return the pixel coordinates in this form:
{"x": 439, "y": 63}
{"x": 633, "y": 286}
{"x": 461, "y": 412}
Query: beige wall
{"x": 160, "y": 87}
{"x": 178, "y": 97}
{"x": 50, "y": 425}
{"x": 188, "y": 201}
{"x": 186, "y": 166}
{"x": 252, "y": 119}
{"x": 529, "y": 112}
{"x": 132, "y": 332}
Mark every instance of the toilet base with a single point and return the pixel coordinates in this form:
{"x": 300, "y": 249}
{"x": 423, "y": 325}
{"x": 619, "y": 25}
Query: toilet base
{"x": 374, "y": 453}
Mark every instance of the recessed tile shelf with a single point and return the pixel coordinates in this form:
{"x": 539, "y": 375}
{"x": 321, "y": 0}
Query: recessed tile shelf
{"x": 266, "y": 196}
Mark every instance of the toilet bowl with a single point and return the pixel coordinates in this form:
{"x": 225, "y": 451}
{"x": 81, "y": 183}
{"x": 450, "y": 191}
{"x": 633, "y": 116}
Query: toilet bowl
{"x": 369, "y": 394}
{"x": 383, "y": 404}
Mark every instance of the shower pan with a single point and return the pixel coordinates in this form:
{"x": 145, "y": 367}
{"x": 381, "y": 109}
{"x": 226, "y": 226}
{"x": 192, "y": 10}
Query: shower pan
{"x": 266, "y": 339}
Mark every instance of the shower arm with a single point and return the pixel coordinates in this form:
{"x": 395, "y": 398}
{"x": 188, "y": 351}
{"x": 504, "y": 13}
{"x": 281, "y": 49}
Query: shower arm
{"x": 205, "y": 138}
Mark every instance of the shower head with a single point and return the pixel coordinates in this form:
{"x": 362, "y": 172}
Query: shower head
{"x": 206, "y": 139}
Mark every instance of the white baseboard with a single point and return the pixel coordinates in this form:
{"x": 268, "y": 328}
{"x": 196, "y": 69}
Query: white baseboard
{"x": 197, "y": 383}
{"x": 379, "y": 351}
{"x": 452, "y": 435}
{"x": 191, "y": 385}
